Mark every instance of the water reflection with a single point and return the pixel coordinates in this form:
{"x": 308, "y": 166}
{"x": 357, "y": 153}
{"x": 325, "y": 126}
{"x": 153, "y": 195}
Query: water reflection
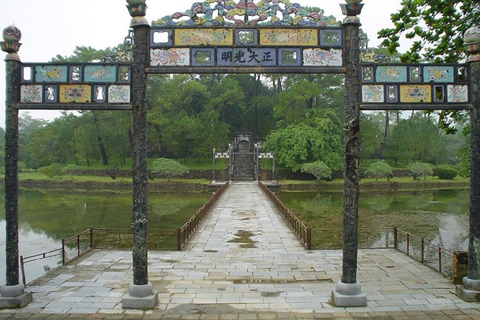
{"x": 439, "y": 216}
{"x": 46, "y": 216}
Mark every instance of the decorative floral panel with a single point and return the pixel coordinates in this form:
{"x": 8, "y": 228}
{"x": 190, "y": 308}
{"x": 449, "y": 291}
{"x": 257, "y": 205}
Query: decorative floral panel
{"x": 104, "y": 74}
{"x": 170, "y": 57}
{"x": 75, "y": 93}
{"x": 457, "y": 93}
{"x": 31, "y": 94}
{"x": 438, "y": 74}
{"x": 415, "y": 93}
{"x": 319, "y": 57}
{"x": 289, "y": 37}
{"x": 203, "y": 37}
{"x": 119, "y": 94}
{"x": 391, "y": 74}
{"x": 373, "y": 93}
{"x": 51, "y": 73}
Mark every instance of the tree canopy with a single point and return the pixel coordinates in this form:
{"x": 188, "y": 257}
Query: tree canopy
{"x": 435, "y": 26}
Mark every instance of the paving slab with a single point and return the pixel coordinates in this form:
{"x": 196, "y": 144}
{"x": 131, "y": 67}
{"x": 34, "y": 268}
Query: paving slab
{"x": 244, "y": 263}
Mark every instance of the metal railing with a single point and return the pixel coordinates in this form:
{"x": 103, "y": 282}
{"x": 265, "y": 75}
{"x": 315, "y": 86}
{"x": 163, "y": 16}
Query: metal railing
{"x": 185, "y": 232}
{"x": 303, "y": 232}
{"x": 81, "y": 243}
{"x": 39, "y": 256}
{"x": 424, "y": 251}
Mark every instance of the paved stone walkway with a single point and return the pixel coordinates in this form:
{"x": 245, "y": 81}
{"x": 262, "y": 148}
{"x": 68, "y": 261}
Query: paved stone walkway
{"x": 244, "y": 263}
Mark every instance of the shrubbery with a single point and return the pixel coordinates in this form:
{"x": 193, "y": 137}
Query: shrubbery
{"x": 319, "y": 169}
{"x": 445, "y": 171}
{"x": 420, "y": 169}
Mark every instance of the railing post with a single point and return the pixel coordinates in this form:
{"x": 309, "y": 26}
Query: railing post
{"x": 408, "y": 244}
{"x": 395, "y": 238}
{"x": 179, "y": 238}
{"x": 78, "y": 245}
{"x": 63, "y": 252}
{"x": 422, "y": 251}
{"x": 440, "y": 259}
{"x": 309, "y": 238}
{"x": 22, "y": 265}
{"x": 91, "y": 237}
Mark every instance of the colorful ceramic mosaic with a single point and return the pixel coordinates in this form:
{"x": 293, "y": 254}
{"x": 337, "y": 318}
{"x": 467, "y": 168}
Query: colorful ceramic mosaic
{"x": 288, "y": 37}
{"x": 319, "y": 57}
{"x": 31, "y": 94}
{"x": 75, "y": 93}
{"x": 391, "y": 74}
{"x": 373, "y": 93}
{"x": 170, "y": 57}
{"x": 438, "y": 74}
{"x": 415, "y": 93}
{"x": 229, "y": 12}
{"x": 457, "y": 93}
{"x": 100, "y": 73}
{"x": 197, "y": 37}
{"x": 51, "y": 73}
{"x": 119, "y": 94}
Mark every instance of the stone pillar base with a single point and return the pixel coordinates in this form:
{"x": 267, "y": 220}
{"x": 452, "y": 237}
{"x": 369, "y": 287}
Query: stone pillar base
{"x": 140, "y": 297}
{"x": 469, "y": 291}
{"x": 349, "y": 295}
{"x": 14, "y": 297}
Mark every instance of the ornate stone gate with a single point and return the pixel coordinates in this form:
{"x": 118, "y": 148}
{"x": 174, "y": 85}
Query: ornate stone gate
{"x": 226, "y": 36}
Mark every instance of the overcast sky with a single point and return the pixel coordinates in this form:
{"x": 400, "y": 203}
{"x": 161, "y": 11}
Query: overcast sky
{"x": 51, "y": 27}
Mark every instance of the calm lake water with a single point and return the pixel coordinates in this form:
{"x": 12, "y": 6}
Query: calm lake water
{"x": 439, "y": 216}
{"x": 46, "y": 216}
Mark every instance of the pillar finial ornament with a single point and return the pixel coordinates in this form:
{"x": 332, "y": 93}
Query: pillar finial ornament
{"x": 472, "y": 44}
{"x": 137, "y": 10}
{"x": 11, "y": 42}
{"x": 352, "y": 9}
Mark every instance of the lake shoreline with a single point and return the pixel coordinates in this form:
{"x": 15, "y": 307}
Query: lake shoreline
{"x": 175, "y": 186}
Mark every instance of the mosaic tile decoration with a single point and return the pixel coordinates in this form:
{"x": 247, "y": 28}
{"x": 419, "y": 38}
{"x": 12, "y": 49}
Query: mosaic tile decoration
{"x": 391, "y": 74}
{"x": 241, "y": 13}
{"x": 415, "y": 93}
{"x": 75, "y": 93}
{"x": 373, "y": 93}
{"x": 320, "y": 57}
{"x": 119, "y": 94}
{"x": 75, "y": 84}
{"x": 457, "y": 93}
{"x": 103, "y": 74}
{"x": 416, "y": 84}
{"x": 31, "y": 94}
{"x": 170, "y": 57}
{"x": 203, "y": 37}
{"x": 288, "y": 37}
{"x": 51, "y": 73}
{"x": 438, "y": 74}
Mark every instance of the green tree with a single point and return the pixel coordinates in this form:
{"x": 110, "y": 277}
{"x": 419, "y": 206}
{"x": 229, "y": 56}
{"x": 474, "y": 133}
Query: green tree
{"x": 371, "y": 137}
{"x": 318, "y": 138}
{"x": 437, "y": 26}
{"x": 415, "y": 139}
{"x": 319, "y": 169}
{"x": 380, "y": 169}
{"x": 168, "y": 168}
{"x": 420, "y": 169}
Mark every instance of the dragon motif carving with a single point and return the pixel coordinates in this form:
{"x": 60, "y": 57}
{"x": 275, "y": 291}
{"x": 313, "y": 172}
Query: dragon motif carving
{"x": 211, "y": 13}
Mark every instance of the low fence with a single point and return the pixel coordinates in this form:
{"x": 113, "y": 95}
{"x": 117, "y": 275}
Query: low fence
{"x": 434, "y": 256}
{"x": 303, "y": 232}
{"x": 185, "y": 232}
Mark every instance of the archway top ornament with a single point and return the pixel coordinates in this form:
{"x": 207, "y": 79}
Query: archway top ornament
{"x": 212, "y": 13}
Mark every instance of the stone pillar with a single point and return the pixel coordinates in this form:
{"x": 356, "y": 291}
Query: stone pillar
{"x": 470, "y": 290}
{"x": 140, "y": 293}
{"x": 348, "y": 292}
{"x": 12, "y": 295}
